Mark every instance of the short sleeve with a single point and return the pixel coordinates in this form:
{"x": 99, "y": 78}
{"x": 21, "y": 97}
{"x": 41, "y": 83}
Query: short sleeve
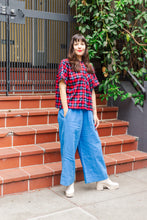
{"x": 63, "y": 71}
{"x": 93, "y": 80}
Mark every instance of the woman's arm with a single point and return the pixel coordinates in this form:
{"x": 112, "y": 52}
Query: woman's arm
{"x": 96, "y": 120}
{"x": 62, "y": 89}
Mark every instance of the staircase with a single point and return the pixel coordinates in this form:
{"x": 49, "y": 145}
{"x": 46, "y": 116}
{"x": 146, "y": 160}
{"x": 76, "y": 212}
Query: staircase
{"x": 30, "y": 149}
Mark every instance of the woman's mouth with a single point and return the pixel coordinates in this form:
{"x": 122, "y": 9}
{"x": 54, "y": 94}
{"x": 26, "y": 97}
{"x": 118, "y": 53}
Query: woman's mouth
{"x": 79, "y": 50}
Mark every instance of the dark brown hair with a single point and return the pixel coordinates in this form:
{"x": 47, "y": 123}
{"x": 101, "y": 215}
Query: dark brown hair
{"x": 75, "y": 63}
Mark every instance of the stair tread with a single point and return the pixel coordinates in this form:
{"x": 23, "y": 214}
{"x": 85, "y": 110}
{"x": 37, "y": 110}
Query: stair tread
{"x": 117, "y": 139}
{"x": 11, "y": 175}
{"x": 46, "y": 128}
{"x": 50, "y": 147}
{"x": 37, "y": 171}
{"x": 8, "y": 153}
{"x": 38, "y": 111}
{"x": 128, "y": 156}
{"x": 26, "y": 97}
{"x": 24, "y": 112}
{"x": 28, "y": 150}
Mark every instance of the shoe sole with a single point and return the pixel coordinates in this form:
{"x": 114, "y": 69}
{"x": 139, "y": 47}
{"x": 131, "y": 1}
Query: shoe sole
{"x": 101, "y": 188}
{"x": 69, "y": 195}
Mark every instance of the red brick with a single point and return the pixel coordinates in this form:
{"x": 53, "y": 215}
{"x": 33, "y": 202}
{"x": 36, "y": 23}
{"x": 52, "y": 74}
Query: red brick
{"x": 137, "y": 155}
{"x": 77, "y": 155}
{"x": 110, "y": 170}
{"x": 38, "y": 171}
{"x": 104, "y": 131}
{"x": 58, "y": 139}
{"x": 40, "y": 119}
{"x": 13, "y": 175}
{"x": 109, "y": 161}
{"x": 8, "y": 163}
{"x": 2, "y": 122}
{"x": 15, "y": 187}
{"x": 121, "y": 168}
{"x": 52, "y": 157}
{"x": 121, "y": 158}
{"x": 99, "y": 101}
{"x": 6, "y": 141}
{"x": 22, "y": 130}
{"x": 9, "y": 104}
{"x": 56, "y": 180}
{"x": 50, "y": 147}
{"x": 55, "y": 167}
{"x": 112, "y": 149}
{"x": 119, "y": 130}
{"x": 42, "y": 138}
{"x": 4, "y": 132}
{"x": 29, "y": 150}
{"x": 47, "y": 103}
{"x": 31, "y": 160}
{"x": 140, "y": 164}
{"x": 40, "y": 183}
{"x": 79, "y": 175}
{"x": 109, "y": 115}
{"x": 16, "y": 121}
{"x": 23, "y": 140}
{"x": 30, "y": 104}
{"x": 53, "y": 119}
{"x": 130, "y": 146}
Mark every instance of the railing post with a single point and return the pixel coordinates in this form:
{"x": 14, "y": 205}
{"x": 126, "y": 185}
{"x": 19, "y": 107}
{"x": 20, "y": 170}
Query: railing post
{"x": 7, "y": 52}
{"x": 68, "y": 28}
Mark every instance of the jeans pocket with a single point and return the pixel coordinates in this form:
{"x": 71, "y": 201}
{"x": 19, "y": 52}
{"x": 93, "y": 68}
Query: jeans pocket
{"x": 66, "y": 113}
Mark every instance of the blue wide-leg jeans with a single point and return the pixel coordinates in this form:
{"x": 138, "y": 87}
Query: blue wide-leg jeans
{"x": 77, "y": 130}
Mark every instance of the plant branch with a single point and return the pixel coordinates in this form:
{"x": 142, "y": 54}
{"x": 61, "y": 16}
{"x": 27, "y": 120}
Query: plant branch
{"x": 143, "y": 45}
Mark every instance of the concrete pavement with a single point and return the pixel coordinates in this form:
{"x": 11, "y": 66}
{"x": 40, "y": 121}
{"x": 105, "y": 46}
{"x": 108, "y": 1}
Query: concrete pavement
{"x": 129, "y": 202}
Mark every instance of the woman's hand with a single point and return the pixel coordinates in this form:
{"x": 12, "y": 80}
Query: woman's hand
{"x": 96, "y": 121}
{"x": 65, "y": 111}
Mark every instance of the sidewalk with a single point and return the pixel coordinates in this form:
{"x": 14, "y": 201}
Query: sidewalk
{"x": 129, "y": 202}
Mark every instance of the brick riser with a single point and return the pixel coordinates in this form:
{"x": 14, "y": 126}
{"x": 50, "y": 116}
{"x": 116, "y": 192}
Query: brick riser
{"x": 32, "y": 102}
{"x": 38, "y": 163}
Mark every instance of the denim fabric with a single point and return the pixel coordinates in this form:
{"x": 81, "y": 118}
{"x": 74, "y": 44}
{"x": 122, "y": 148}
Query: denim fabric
{"x": 77, "y": 130}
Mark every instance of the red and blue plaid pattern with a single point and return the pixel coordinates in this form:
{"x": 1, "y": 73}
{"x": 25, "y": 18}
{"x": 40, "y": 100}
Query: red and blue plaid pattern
{"x": 79, "y": 86}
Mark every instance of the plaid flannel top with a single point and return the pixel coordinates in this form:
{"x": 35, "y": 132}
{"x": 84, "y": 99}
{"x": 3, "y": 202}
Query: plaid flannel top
{"x": 79, "y": 86}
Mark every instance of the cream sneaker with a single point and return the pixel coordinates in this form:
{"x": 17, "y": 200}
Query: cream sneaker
{"x": 70, "y": 191}
{"x": 106, "y": 184}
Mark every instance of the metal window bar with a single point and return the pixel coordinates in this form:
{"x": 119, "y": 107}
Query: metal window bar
{"x": 37, "y": 39}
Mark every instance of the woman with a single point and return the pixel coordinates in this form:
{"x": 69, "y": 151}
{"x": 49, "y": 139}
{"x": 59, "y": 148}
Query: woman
{"x": 77, "y": 118}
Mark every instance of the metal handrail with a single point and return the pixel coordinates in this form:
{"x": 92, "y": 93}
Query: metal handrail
{"x": 138, "y": 83}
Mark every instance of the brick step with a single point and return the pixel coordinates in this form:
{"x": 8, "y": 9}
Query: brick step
{"x": 33, "y": 102}
{"x": 27, "y": 155}
{"x": 48, "y": 175}
{"x": 36, "y": 134}
{"x": 28, "y": 117}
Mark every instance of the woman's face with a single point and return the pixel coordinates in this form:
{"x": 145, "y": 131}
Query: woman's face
{"x": 79, "y": 49}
